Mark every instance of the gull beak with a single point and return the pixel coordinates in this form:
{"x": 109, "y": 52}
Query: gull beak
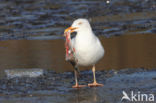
{"x": 70, "y": 28}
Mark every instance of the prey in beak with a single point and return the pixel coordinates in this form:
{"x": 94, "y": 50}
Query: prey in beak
{"x": 70, "y": 51}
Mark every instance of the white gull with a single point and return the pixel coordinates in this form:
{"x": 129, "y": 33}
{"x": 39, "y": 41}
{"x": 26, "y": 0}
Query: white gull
{"x": 88, "y": 49}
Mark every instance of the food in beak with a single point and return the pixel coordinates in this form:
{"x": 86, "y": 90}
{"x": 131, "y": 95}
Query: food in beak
{"x": 69, "y": 49}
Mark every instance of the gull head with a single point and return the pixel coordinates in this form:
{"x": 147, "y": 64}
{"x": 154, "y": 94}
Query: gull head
{"x": 79, "y": 25}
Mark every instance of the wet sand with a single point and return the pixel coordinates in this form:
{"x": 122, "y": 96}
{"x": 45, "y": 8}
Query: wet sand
{"x": 127, "y": 51}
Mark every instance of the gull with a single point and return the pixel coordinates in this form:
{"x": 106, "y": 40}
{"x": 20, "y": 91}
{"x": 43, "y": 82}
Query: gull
{"x": 85, "y": 47}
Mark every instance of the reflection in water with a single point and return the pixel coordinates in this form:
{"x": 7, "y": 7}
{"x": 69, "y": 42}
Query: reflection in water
{"x": 128, "y": 51}
{"x": 95, "y": 94}
{"x": 87, "y": 95}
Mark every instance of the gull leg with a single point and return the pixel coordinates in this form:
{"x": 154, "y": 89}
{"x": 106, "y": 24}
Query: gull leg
{"x": 76, "y": 81}
{"x": 94, "y": 84}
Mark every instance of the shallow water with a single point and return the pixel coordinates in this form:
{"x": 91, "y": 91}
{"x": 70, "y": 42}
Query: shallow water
{"x": 128, "y": 51}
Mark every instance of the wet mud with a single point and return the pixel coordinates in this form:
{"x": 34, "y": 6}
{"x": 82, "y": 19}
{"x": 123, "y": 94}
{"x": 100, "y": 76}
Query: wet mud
{"x": 27, "y": 18}
{"x": 54, "y": 87}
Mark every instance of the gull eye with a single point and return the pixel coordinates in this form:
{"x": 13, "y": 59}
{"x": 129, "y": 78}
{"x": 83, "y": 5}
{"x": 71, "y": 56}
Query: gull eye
{"x": 79, "y": 23}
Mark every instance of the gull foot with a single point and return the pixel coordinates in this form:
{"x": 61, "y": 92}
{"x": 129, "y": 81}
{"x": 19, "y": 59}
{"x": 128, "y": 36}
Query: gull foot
{"x": 95, "y": 85}
{"x": 78, "y": 86}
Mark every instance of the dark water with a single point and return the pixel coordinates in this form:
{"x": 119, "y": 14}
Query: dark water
{"x": 125, "y": 27}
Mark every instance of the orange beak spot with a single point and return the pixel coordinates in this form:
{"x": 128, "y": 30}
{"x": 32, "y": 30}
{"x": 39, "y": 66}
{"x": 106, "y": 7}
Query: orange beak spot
{"x": 70, "y": 28}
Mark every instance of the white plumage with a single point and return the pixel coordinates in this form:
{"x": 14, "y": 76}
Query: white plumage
{"x": 88, "y": 48}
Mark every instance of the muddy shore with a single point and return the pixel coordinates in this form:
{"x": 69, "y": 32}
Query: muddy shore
{"x": 54, "y": 87}
{"x": 28, "y": 18}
